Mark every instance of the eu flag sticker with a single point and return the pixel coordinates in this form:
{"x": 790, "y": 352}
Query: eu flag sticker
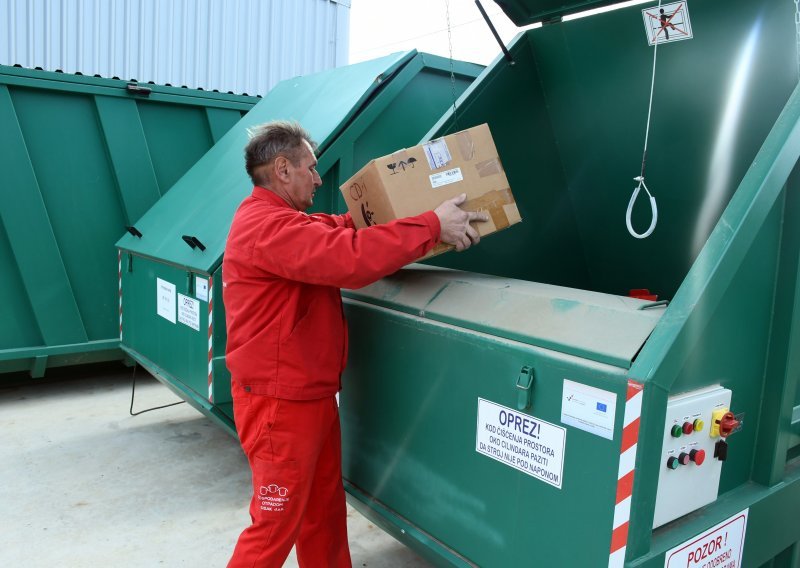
{"x": 601, "y": 407}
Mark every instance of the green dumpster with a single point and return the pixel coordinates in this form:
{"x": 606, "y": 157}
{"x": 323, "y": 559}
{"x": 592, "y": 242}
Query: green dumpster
{"x": 172, "y": 316}
{"x": 83, "y": 158}
{"x": 513, "y": 405}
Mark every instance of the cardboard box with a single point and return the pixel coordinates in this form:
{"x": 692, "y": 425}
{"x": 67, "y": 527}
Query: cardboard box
{"x": 414, "y": 180}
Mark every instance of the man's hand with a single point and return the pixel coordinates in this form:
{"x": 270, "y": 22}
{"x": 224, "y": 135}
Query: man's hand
{"x": 454, "y": 221}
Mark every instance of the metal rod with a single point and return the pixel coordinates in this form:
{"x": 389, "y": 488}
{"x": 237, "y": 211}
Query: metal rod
{"x": 494, "y": 32}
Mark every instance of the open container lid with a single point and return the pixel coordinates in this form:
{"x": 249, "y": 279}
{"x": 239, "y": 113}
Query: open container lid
{"x": 202, "y": 203}
{"x": 526, "y": 12}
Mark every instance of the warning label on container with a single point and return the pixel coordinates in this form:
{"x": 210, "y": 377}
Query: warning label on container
{"x": 721, "y": 546}
{"x": 201, "y": 287}
{"x": 165, "y": 299}
{"x": 189, "y": 311}
{"x": 521, "y": 441}
{"x": 667, "y": 23}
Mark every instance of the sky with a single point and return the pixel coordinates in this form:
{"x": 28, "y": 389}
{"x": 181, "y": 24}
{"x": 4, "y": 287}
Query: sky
{"x": 380, "y": 27}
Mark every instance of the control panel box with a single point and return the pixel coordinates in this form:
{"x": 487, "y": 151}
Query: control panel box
{"x": 693, "y": 452}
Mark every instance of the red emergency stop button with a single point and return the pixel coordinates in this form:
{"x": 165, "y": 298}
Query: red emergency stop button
{"x": 684, "y": 458}
{"x": 727, "y": 424}
{"x": 688, "y": 428}
{"x": 698, "y": 456}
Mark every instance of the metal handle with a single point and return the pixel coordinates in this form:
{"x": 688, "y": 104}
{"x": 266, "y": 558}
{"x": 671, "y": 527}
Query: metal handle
{"x": 525, "y": 387}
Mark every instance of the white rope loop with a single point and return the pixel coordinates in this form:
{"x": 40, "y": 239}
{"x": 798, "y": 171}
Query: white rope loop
{"x": 653, "y": 209}
{"x": 640, "y": 177}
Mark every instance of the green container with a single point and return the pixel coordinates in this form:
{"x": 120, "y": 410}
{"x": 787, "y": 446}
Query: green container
{"x": 82, "y": 159}
{"x": 535, "y": 323}
{"x": 355, "y": 113}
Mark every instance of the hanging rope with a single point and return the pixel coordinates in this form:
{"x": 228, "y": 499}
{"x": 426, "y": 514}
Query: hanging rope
{"x": 452, "y": 64}
{"x": 640, "y": 177}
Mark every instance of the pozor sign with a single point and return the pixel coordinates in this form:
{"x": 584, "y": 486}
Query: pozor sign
{"x": 721, "y": 546}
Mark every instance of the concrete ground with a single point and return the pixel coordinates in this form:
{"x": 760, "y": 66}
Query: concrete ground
{"x": 83, "y": 483}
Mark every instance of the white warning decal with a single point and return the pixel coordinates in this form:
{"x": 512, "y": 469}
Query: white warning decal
{"x": 667, "y": 23}
{"x": 189, "y": 312}
{"x": 721, "y": 546}
{"x": 165, "y": 299}
{"x": 521, "y": 441}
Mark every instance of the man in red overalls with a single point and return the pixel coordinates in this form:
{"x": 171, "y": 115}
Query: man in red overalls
{"x": 287, "y": 340}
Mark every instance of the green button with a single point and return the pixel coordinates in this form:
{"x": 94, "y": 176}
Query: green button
{"x": 676, "y": 431}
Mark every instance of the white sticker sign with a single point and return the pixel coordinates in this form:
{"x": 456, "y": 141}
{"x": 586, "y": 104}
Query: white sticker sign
{"x": 667, "y": 23}
{"x": 446, "y": 177}
{"x": 589, "y": 408}
{"x": 165, "y": 299}
{"x": 521, "y": 441}
{"x": 189, "y": 311}
{"x": 721, "y": 546}
{"x": 201, "y": 288}
{"x": 438, "y": 153}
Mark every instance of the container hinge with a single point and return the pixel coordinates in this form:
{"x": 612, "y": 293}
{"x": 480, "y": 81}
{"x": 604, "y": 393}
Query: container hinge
{"x": 134, "y": 231}
{"x": 136, "y": 89}
{"x": 193, "y": 242}
{"x": 525, "y": 387}
{"x": 130, "y": 262}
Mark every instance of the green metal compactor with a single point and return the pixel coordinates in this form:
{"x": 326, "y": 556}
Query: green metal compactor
{"x": 82, "y": 158}
{"x": 518, "y": 404}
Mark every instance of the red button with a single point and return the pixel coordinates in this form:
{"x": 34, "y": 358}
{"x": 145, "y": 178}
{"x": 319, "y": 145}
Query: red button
{"x": 688, "y": 427}
{"x": 698, "y": 456}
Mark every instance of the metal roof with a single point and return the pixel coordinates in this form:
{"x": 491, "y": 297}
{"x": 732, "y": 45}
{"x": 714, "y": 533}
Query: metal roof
{"x": 241, "y": 46}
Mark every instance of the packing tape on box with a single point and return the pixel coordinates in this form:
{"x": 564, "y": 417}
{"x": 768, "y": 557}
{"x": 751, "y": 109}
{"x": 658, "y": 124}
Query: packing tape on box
{"x": 495, "y": 203}
{"x": 489, "y": 167}
{"x": 466, "y": 145}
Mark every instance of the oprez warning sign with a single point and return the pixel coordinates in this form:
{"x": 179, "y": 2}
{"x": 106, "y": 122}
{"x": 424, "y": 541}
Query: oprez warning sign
{"x": 522, "y": 441}
{"x": 720, "y": 546}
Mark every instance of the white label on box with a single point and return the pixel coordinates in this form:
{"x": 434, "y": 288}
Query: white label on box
{"x": 446, "y": 178}
{"x": 201, "y": 288}
{"x": 165, "y": 299}
{"x": 589, "y": 408}
{"x": 438, "y": 153}
{"x": 521, "y": 441}
{"x": 189, "y": 311}
{"x": 720, "y": 546}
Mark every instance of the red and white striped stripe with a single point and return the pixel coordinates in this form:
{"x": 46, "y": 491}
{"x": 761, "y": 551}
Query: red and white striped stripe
{"x": 627, "y": 463}
{"x": 119, "y": 279}
{"x": 210, "y": 337}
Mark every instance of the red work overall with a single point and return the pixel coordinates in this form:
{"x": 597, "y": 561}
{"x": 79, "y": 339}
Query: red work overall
{"x": 294, "y": 450}
{"x": 286, "y": 350}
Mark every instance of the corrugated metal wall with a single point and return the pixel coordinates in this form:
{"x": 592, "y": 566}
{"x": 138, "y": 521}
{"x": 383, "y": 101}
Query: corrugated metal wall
{"x": 242, "y": 46}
